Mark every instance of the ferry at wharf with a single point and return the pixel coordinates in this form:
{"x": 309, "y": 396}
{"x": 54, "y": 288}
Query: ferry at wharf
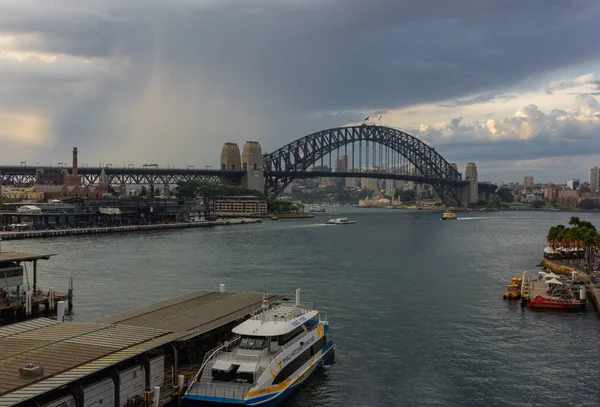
{"x": 274, "y": 352}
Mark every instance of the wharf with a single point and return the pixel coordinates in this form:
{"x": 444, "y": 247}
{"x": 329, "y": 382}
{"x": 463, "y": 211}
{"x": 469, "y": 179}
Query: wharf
{"x": 89, "y": 363}
{"x": 119, "y": 229}
{"x": 18, "y": 302}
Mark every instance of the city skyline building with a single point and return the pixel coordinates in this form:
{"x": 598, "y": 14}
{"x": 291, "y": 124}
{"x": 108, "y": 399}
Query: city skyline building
{"x": 594, "y": 175}
{"x": 573, "y": 183}
{"x": 528, "y": 182}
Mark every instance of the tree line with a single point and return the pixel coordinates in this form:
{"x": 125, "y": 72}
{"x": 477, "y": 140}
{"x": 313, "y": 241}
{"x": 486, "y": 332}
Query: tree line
{"x": 581, "y": 234}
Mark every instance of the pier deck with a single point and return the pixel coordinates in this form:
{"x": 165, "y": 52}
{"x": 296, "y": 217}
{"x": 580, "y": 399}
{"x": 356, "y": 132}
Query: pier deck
{"x": 29, "y": 234}
{"x": 71, "y": 351}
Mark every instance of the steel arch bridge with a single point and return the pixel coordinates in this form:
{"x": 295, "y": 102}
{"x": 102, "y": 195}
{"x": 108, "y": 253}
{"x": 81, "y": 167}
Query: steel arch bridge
{"x": 406, "y": 157}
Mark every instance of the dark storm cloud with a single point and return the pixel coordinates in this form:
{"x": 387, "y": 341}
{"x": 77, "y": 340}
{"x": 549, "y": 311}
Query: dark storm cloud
{"x": 265, "y": 69}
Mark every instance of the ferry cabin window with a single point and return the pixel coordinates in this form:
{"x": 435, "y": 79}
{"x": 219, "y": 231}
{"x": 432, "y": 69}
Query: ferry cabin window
{"x": 253, "y": 342}
{"x": 283, "y": 339}
{"x": 11, "y": 273}
{"x": 294, "y": 365}
{"x": 304, "y": 357}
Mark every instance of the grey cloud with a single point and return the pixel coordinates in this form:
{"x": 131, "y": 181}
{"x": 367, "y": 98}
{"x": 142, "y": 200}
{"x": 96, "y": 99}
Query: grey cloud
{"x": 265, "y": 70}
{"x": 483, "y": 98}
{"x": 528, "y": 135}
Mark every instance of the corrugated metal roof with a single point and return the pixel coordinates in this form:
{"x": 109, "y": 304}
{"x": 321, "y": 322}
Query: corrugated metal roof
{"x": 136, "y": 312}
{"x": 25, "y": 326}
{"x": 6, "y": 257}
{"x": 60, "y": 347}
{"x": 62, "y": 379}
{"x": 70, "y": 351}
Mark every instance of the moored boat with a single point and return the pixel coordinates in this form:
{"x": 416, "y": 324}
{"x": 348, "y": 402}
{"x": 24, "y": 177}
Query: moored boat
{"x": 566, "y": 304}
{"x": 272, "y": 354}
{"x": 513, "y": 290}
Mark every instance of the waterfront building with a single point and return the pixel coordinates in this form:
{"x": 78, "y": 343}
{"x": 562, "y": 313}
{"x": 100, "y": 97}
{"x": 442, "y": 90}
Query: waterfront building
{"x": 22, "y": 194}
{"x": 551, "y": 192}
{"x": 568, "y": 198}
{"x": 528, "y": 182}
{"x": 239, "y": 206}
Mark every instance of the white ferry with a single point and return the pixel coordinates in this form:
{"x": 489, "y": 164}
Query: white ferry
{"x": 316, "y": 209}
{"x": 340, "y": 221}
{"x": 274, "y": 352}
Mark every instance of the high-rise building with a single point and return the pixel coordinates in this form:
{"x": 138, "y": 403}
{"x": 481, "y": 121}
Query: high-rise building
{"x": 390, "y": 187}
{"x": 369, "y": 183}
{"x": 594, "y": 176}
{"x": 528, "y": 182}
{"x": 352, "y": 182}
{"x": 573, "y": 183}
{"x": 341, "y": 165}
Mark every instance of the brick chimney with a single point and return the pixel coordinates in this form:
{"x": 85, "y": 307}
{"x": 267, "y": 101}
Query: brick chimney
{"x": 74, "y": 161}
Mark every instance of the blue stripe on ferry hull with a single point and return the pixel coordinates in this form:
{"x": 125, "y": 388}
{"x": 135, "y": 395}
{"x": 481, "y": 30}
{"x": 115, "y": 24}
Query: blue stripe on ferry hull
{"x": 263, "y": 401}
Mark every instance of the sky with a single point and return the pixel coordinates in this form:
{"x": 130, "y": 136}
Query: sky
{"x": 512, "y": 85}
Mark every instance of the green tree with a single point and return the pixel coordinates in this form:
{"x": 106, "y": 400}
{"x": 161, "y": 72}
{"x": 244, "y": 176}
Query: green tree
{"x": 408, "y": 195}
{"x": 143, "y": 191}
{"x": 588, "y": 204}
{"x": 538, "y": 204}
{"x": 505, "y": 195}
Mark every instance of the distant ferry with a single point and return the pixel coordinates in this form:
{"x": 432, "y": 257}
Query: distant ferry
{"x": 449, "y": 215}
{"x": 340, "y": 221}
{"x": 316, "y": 209}
{"x": 274, "y": 352}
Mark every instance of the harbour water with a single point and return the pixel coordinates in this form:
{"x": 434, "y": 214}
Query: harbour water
{"x": 415, "y": 304}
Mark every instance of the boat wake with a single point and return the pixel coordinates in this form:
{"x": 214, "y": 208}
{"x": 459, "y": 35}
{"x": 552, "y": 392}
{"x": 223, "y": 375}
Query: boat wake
{"x": 479, "y": 217}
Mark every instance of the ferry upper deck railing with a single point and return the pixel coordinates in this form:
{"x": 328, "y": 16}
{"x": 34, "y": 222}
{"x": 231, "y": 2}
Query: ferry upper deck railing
{"x": 229, "y": 390}
{"x": 291, "y": 311}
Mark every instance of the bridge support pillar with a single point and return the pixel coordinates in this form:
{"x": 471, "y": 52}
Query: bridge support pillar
{"x": 252, "y": 163}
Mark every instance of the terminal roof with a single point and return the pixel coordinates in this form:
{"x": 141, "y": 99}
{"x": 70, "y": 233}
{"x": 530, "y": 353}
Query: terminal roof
{"x": 72, "y": 350}
{"x": 7, "y": 257}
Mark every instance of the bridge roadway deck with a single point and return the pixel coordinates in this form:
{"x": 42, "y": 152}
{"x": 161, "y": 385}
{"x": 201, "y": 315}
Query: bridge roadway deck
{"x": 70, "y": 351}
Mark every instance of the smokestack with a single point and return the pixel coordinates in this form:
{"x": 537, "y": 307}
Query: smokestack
{"x": 74, "y": 161}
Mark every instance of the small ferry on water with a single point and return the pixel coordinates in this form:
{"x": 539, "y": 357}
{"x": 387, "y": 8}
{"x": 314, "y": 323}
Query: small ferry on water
{"x": 272, "y": 354}
{"x": 340, "y": 221}
{"x": 316, "y": 209}
{"x": 449, "y": 215}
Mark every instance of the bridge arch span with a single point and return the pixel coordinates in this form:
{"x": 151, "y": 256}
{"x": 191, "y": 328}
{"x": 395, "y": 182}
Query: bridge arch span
{"x": 296, "y": 159}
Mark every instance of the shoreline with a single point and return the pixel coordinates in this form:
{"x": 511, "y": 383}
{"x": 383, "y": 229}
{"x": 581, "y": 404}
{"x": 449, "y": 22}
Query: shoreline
{"x": 33, "y": 234}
